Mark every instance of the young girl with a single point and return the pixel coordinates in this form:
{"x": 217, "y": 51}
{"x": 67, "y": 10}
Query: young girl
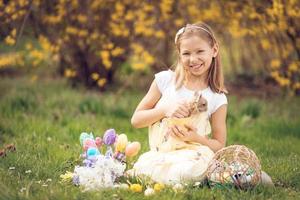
{"x": 198, "y": 72}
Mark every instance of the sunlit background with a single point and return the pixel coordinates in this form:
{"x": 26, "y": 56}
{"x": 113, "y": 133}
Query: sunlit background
{"x": 96, "y": 42}
{"x": 73, "y": 66}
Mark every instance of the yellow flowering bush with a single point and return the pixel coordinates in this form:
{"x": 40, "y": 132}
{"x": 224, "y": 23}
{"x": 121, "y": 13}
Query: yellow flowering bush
{"x": 11, "y": 59}
{"x": 92, "y": 39}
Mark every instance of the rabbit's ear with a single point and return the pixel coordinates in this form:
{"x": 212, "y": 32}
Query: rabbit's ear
{"x": 200, "y": 97}
{"x": 196, "y": 94}
{"x": 202, "y": 104}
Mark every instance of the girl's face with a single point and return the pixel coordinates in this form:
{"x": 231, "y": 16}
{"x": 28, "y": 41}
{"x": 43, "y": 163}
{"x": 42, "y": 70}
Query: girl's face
{"x": 196, "y": 55}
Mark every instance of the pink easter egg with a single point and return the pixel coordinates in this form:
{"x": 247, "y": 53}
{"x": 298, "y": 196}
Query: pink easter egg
{"x": 88, "y": 143}
{"x": 98, "y": 141}
{"x": 132, "y": 149}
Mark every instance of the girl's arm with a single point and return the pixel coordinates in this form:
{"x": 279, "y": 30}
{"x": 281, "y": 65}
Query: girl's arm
{"x": 218, "y": 140}
{"x": 219, "y": 133}
{"x": 145, "y": 114}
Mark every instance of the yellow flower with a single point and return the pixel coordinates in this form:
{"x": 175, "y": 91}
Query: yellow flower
{"x": 138, "y": 66}
{"x": 293, "y": 67}
{"x": 158, "y": 187}
{"x": 117, "y": 51}
{"x": 107, "y": 63}
{"x": 33, "y": 78}
{"x": 271, "y": 27}
{"x": 95, "y": 76}
{"x": 14, "y": 32}
{"x": 83, "y": 33}
{"x": 82, "y": 18}
{"x": 71, "y": 30}
{"x": 148, "y": 7}
{"x": 166, "y": 8}
{"x": 67, "y": 176}
{"x": 275, "y": 64}
{"x": 179, "y": 22}
{"x": 101, "y": 82}
{"x": 119, "y": 7}
{"x": 137, "y": 48}
{"x": 129, "y": 16}
{"x": 9, "y": 40}
{"x": 283, "y": 82}
{"x": 10, "y": 59}
{"x": 296, "y": 86}
{"x": 159, "y": 34}
{"x": 104, "y": 54}
{"x": 149, "y": 59}
{"x": 265, "y": 44}
{"x": 94, "y": 36}
{"x": 136, "y": 188}
{"x": 35, "y": 54}
{"x": 109, "y": 45}
{"x": 28, "y": 46}
{"x": 69, "y": 73}
{"x": 44, "y": 42}
{"x": 52, "y": 19}
{"x": 14, "y": 16}
{"x": 115, "y": 29}
{"x": 275, "y": 74}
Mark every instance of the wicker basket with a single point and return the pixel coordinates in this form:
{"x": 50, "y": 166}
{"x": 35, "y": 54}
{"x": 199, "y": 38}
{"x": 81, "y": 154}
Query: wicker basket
{"x": 234, "y": 165}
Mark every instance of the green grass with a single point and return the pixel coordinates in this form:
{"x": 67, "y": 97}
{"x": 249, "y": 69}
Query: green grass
{"x": 44, "y": 120}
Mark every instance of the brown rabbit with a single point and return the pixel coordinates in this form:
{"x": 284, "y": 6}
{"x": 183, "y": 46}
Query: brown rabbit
{"x": 198, "y": 118}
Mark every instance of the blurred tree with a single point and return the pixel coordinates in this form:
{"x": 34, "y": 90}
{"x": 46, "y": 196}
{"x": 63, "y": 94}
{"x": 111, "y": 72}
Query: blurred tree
{"x": 92, "y": 39}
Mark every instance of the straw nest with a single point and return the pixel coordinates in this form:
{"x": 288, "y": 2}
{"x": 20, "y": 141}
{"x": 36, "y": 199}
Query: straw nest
{"x": 235, "y": 165}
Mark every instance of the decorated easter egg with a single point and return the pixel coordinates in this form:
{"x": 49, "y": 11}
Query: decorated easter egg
{"x": 92, "y": 151}
{"x": 98, "y": 141}
{"x": 109, "y": 137}
{"x": 132, "y": 149}
{"x": 88, "y": 143}
{"x": 121, "y": 143}
{"x": 84, "y": 136}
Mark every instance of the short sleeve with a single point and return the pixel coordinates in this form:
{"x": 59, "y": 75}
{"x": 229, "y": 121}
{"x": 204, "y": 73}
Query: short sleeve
{"x": 163, "y": 79}
{"x": 219, "y": 100}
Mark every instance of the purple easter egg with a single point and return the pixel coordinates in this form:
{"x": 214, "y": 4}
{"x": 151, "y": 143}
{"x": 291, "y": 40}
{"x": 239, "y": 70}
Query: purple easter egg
{"x": 109, "y": 137}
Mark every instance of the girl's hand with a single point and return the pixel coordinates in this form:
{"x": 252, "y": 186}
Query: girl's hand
{"x": 187, "y": 133}
{"x": 179, "y": 110}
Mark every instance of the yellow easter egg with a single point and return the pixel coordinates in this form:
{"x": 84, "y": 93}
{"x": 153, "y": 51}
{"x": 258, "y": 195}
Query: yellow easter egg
{"x": 121, "y": 142}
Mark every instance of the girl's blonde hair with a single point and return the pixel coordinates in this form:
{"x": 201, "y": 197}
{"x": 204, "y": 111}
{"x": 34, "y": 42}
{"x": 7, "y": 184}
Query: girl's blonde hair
{"x": 215, "y": 77}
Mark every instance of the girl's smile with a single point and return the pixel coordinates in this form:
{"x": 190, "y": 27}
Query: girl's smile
{"x": 196, "y": 55}
{"x": 197, "y": 66}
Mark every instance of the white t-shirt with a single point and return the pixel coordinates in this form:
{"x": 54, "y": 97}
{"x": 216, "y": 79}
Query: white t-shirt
{"x": 166, "y": 83}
